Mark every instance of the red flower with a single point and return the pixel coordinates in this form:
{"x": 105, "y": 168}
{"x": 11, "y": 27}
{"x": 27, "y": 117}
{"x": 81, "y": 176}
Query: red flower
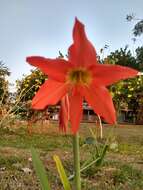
{"x": 81, "y": 77}
{"x": 64, "y": 113}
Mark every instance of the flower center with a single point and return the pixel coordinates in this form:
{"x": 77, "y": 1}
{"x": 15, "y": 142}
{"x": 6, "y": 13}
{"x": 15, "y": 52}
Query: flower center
{"x": 79, "y": 76}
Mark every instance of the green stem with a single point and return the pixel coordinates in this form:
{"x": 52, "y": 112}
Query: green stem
{"x": 76, "y": 162}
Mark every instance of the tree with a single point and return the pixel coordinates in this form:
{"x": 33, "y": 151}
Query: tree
{"x": 139, "y": 57}
{"x": 127, "y": 94}
{"x": 26, "y": 89}
{"x": 29, "y": 85}
{"x": 122, "y": 57}
{"x": 4, "y": 72}
{"x": 138, "y": 28}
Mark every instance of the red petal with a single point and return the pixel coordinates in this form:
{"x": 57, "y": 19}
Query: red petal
{"x": 108, "y": 74}
{"x": 100, "y": 100}
{"x": 64, "y": 113}
{"x": 54, "y": 68}
{"x": 81, "y": 52}
{"x": 49, "y": 94}
{"x": 75, "y": 110}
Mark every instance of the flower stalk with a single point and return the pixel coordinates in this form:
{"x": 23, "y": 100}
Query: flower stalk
{"x": 76, "y": 154}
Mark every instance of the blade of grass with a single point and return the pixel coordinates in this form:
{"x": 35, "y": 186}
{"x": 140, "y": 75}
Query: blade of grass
{"x": 40, "y": 170}
{"x": 102, "y": 155}
{"x": 86, "y": 167}
{"x": 62, "y": 173}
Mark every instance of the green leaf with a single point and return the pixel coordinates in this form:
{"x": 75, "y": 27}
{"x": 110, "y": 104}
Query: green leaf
{"x": 62, "y": 173}
{"x": 102, "y": 155}
{"x": 40, "y": 170}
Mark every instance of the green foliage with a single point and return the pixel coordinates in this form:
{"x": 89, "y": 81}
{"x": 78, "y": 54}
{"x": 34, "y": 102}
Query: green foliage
{"x": 4, "y": 71}
{"x": 139, "y": 57}
{"x": 9, "y": 161}
{"x": 127, "y": 173}
{"x": 8, "y": 137}
{"x": 127, "y": 93}
{"x": 138, "y": 28}
{"x": 29, "y": 85}
{"x": 40, "y": 170}
{"x": 26, "y": 89}
{"x": 123, "y": 57}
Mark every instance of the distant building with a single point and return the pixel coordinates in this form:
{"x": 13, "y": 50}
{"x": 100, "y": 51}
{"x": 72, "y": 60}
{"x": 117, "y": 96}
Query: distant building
{"x": 124, "y": 116}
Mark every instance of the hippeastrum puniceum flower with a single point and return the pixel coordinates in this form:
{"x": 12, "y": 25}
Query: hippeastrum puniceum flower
{"x": 81, "y": 77}
{"x": 64, "y": 113}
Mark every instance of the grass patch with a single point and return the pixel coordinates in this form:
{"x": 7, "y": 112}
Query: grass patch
{"x": 9, "y": 161}
{"x": 20, "y": 139}
{"x": 119, "y": 171}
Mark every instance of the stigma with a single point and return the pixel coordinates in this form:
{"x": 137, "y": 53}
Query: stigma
{"x": 79, "y": 76}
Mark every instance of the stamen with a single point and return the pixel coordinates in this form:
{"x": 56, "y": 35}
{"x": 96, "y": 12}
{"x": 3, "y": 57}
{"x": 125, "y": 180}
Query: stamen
{"x": 79, "y": 76}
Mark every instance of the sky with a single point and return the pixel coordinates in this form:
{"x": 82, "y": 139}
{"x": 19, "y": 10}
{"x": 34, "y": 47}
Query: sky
{"x": 43, "y": 27}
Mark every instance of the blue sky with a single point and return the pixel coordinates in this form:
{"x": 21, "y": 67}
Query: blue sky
{"x": 43, "y": 27}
